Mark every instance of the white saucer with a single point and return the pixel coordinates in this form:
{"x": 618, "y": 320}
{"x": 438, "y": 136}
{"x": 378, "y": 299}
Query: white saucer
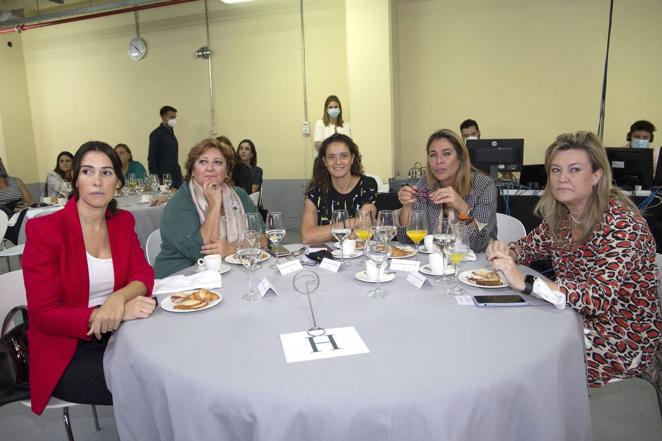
{"x": 355, "y": 254}
{"x": 422, "y": 249}
{"x": 426, "y": 269}
{"x": 363, "y": 277}
{"x": 224, "y": 268}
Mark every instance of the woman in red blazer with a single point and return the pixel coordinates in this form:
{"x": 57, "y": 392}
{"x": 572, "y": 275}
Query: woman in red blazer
{"x": 84, "y": 273}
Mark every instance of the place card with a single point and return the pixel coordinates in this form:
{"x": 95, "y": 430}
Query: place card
{"x": 264, "y": 287}
{"x": 337, "y": 342}
{"x": 464, "y": 300}
{"x": 289, "y": 267}
{"x": 330, "y": 265}
{"x": 417, "y": 279}
{"x": 404, "y": 265}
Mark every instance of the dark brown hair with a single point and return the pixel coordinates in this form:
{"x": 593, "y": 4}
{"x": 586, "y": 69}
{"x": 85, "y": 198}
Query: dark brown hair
{"x": 101, "y": 147}
{"x": 201, "y": 147}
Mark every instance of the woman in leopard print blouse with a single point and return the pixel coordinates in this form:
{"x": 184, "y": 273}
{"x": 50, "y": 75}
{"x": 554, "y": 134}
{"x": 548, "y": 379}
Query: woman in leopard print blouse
{"x": 603, "y": 254}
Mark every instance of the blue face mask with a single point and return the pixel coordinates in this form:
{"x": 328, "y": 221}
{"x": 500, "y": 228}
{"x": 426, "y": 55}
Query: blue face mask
{"x": 639, "y": 143}
{"x": 333, "y": 113}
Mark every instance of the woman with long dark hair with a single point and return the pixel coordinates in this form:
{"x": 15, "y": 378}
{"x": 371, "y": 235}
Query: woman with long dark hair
{"x": 338, "y": 183}
{"x": 248, "y": 155}
{"x": 62, "y": 172}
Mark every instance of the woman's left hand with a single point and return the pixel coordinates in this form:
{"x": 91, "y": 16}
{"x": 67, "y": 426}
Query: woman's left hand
{"x": 502, "y": 261}
{"x": 449, "y": 196}
{"x": 107, "y": 317}
{"x": 222, "y": 247}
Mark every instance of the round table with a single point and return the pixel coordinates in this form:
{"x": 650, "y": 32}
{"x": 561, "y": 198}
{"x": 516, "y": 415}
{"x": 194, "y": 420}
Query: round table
{"x": 435, "y": 371}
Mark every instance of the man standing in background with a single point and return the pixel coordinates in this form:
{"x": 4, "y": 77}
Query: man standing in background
{"x": 163, "y": 153}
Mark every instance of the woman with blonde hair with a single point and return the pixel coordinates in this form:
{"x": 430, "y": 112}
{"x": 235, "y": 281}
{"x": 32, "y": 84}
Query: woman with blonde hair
{"x": 192, "y": 224}
{"x": 452, "y": 188}
{"x": 603, "y": 254}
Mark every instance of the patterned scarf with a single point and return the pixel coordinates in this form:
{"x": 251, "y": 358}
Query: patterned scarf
{"x": 234, "y": 210}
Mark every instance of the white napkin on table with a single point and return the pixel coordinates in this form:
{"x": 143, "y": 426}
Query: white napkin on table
{"x": 205, "y": 279}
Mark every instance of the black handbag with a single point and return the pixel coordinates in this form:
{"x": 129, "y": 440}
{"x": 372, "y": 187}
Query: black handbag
{"x": 14, "y": 377}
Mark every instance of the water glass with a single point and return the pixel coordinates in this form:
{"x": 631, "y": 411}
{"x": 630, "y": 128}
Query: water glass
{"x": 275, "y": 230}
{"x": 378, "y": 252}
{"x": 340, "y": 230}
{"x": 248, "y": 251}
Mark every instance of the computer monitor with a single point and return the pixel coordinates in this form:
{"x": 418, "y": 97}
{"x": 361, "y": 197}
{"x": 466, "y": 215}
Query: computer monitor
{"x": 496, "y": 155}
{"x": 631, "y": 167}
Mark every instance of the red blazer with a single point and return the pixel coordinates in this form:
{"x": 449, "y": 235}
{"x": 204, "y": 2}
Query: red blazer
{"x": 58, "y": 289}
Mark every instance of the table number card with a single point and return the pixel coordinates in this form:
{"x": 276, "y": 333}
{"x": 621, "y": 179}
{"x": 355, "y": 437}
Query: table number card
{"x": 337, "y": 342}
{"x": 417, "y": 279}
{"x": 264, "y": 287}
{"x": 330, "y": 265}
{"x": 289, "y": 267}
{"x": 404, "y": 265}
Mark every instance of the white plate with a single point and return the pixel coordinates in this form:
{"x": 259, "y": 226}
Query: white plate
{"x": 422, "y": 249}
{"x": 464, "y": 278}
{"x": 235, "y": 260}
{"x": 166, "y": 304}
{"x": 405, "y": 248}
{"x": 355, "y": 254}
{"x": 224, "y": 269}
{"x": 363, "y": 277}
{"x": 426, "y": 269}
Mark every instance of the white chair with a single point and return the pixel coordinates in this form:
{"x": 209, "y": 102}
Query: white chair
{"x": 4, "y": 223}
{"x": 12, "y": 251}
{"x": 13, "y": 294}
{"x": 153, "y": 246}
{"x": 509, "y": 228}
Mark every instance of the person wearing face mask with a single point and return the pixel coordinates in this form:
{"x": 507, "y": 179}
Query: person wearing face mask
{"x": 469, "y": 129}
{"x": 640, "y": 136}
{"x": 163, "y": 153}
{"x": 332, "y": 122}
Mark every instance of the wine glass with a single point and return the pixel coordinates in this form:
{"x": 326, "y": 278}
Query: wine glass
{"x": 364, "y": 228}
{"x": 275, "y": 231}
{"x": 253, "y": 222}
{"x": 167, "y": 180}
{"x": 455, "y": 252}
{"x": 340, "y": 230}
{"x": 443, "y": 235}
{"x": 248, "y": 251}
{"x": 387, "y": 226}
{"x": 65, "y": 188}
{"x": 417, "y": 228}
{"x": 140, "y": 186}
{"x": 378, "y": 252}
{"x": 154, "y": 183}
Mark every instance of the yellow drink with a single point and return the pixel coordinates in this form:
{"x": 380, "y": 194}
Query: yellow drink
{"x": 455, "y": 257}
{"x": 364, "y": 234}
{"x": 417, "y": 235}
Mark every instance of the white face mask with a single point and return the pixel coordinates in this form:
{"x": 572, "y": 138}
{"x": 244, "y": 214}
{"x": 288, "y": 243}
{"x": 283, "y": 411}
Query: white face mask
{"x": 172, "y": 122}
{"x": 469, "y": 138}
{"x": 639, "y": 143}
{"x": 333, "y": 113}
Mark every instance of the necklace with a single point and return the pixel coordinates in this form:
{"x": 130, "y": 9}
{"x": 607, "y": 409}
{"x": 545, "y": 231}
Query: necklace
{"x": 578, "y": 222}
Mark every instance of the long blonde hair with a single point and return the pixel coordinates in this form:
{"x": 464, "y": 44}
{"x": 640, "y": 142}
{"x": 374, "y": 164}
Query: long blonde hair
{"x": 462, "y": 184}
{"x": 555, "y": 213}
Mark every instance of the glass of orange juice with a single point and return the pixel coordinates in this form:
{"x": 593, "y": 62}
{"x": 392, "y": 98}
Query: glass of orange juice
{"x": 417, "y": 227}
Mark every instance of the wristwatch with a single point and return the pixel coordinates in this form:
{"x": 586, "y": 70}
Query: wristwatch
{"x": 529, "y": 280}
{"x": 465, "y": 216}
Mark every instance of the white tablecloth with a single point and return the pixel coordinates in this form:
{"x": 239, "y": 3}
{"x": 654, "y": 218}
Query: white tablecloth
{"x": 435, "y": 371}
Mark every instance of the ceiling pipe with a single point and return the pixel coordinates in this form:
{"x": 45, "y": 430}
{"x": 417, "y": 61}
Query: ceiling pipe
{"x": 21, "y": 28}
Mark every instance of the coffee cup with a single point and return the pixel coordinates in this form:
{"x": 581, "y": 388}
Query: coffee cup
{"x": 371, "y": 270}
{"x": 429, "y": 243}
{"x": 47, "y": 200}
{"x": 211, "y": 262}
{"x": 348, "y": 247}
{"x": 163, "y": 188}
{"x": 437, "y": 263}
{"x": 145, "y": 198}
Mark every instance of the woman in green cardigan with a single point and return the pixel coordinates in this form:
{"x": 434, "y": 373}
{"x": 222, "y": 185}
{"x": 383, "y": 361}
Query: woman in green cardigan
{"x": 191, "y": 226}
{"x": 129, "y": 166}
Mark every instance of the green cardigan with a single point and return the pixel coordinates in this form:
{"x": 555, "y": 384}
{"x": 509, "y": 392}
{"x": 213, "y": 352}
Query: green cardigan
{"x": 180, "y": 232}
{"x": 137, "y": 169}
